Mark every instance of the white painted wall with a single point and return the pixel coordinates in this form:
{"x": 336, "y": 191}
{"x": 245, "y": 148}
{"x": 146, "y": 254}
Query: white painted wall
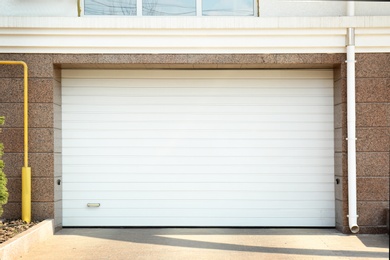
{"x": 268, "y": 8}
{"x": 368, "y": 8}
{"x": 191, "y": 34}
{"x": 290, "y": 8}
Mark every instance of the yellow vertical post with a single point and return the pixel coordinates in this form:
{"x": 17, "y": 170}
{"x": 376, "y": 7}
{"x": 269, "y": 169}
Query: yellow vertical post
{"x": 78, "y": 8}
{"x": 26, "y": 171}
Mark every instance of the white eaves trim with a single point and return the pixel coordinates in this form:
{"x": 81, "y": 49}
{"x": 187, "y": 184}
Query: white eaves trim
{"x": 191, "y": 34}
{"x": 102, "y": 22}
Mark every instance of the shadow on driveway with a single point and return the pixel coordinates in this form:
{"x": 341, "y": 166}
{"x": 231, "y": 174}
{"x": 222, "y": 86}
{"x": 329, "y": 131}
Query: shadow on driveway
{"x": 304, "y": 242}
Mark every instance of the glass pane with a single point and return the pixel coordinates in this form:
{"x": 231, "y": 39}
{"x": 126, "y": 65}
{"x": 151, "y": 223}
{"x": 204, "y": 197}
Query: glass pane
{"x": 168, "y": 7}
{"x": 224, "y": 7}
{"x": 110, "y": 7}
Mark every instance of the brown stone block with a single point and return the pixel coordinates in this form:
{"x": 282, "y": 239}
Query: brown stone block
{"x": 13, "y": 113}
{"x": 42, "y": 164}
{"x": 39, "y": 65}
{"x": 340, "y": 144}
{"x": 11, "y": 90}
{"x": 75, "y": 58}
{"x": 372, "y": 139}
{"x": 211, "y": 59}
{"x": 14, "y": 187}
{"x": 372, "y": 65}
{"x": 372, "y": 90}
{"x": 13, "y": 164}
{"x": 299, "y": 58}
{"x": 42, "y": 189}
{"x": 12, "y": 139}
{"x": 340, "y": 116}
{"x": 255, "y": 58}
{"x": 371, "y": 189}
{"x": 333, "y": 58}
{"x": 372, "y": 213}
{"x": 41, "y": 140}
{"x": 371, "y": 114}
{"x": 39, "y": 210}
{"x": 142, "y": 59}
{"x": 39, "y": 114}
{"x": 388, "y": 114}
{"x": 373, "y": 230}
{"x": 372, "y": 164}
{"x": 11, "y": 71}
{"x": 39, "y": 90}
{"x": 42, "y": 210}
{"x": 340, "y": 166}
{"x": 340, "y": 91}
{"x": 12, "y": 210}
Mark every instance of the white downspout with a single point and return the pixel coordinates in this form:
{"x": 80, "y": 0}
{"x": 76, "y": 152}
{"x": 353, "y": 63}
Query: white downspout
{"x": 351, "y": 124}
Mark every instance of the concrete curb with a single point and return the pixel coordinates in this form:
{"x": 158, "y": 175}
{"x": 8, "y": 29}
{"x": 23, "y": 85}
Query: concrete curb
{"x": 21, "y": 244}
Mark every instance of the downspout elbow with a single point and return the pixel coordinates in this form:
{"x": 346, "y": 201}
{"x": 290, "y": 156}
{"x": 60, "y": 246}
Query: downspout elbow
{"x": 353, "y": 226}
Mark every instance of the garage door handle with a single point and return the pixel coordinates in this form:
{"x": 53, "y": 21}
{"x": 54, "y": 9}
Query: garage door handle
{"x": 93, "y": 205}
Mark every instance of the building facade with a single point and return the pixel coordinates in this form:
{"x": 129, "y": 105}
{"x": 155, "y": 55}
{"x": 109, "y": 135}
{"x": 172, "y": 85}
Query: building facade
{"x": 142, "y": 120}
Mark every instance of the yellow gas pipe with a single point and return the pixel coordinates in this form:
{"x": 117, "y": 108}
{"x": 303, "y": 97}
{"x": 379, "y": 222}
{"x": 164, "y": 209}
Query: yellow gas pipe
{"x": 26, "y": 171}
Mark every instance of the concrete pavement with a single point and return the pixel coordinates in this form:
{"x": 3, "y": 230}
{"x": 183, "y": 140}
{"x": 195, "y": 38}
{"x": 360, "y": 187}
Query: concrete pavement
{"x": 208, "y": 243}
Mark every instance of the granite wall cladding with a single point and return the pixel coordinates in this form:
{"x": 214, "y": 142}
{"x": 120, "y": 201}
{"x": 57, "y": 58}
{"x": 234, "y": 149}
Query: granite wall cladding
{"x": 372, "y": 145}
{"x": 41, "y": 132}
{"x": 373, "y": 121}
{"x": 373, "y": 140}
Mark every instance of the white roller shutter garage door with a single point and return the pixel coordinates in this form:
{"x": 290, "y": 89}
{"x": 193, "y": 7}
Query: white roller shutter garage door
{"x": 198, "y": 148}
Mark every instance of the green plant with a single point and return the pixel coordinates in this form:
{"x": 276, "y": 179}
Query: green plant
{"x": 3, "y": 178}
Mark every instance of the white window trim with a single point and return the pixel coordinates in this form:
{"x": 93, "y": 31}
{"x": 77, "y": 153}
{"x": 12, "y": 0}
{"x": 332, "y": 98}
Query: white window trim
{"x": 198, "y": 7}
{"x": 139, "y": 7}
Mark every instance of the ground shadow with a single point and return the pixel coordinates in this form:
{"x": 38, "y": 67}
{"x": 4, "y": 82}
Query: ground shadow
{"x": 160, "y": 236}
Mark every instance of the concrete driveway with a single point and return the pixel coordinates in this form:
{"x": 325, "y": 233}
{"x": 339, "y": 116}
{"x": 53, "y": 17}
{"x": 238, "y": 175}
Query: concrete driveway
{"x": 210, "y": 243}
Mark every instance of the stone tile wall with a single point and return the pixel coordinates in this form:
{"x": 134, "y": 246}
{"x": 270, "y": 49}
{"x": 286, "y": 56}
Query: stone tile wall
{"x": 41, "y": 132}
{"x": 373, "y": 140}
{"x": 373, "y": 121}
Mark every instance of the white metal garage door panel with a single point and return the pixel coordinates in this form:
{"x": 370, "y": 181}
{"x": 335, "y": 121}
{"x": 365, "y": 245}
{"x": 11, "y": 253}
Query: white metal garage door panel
{"x": 198, "y": 148}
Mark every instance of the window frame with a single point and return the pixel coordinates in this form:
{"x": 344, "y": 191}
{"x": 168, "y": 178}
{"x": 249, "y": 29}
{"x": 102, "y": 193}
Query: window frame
{"x": 198, "y": 10}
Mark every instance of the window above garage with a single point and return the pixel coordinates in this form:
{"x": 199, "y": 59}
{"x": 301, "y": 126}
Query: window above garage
{"x": 170, "y": 7}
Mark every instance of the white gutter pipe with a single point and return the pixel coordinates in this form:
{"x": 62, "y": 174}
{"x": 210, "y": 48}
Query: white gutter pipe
{"x": 351, "y": 124}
